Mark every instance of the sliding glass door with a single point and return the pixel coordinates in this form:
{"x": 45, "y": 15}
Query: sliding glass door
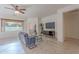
{"x": 12, "y": 25}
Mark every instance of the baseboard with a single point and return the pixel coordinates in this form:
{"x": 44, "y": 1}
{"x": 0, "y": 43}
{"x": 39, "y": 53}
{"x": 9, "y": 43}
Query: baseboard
{"x": 70, "y": 38}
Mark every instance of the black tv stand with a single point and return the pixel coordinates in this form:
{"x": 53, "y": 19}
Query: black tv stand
{"x": 50, "y": 33}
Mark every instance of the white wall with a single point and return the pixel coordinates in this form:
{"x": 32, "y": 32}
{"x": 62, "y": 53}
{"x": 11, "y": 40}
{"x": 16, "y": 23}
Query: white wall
{"x": 51, "y": 18}
{"x": 60, "y": 34}
{"x": 30, "y": 23}
{"x": 58, "y": 18}
{"x": 0, "y": 25}
{"x": 71, "y": 22}
{"x": 60, "y": 27}
{"x": 5, "y": 35}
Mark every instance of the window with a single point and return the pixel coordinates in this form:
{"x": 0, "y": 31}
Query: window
{"x": 12, "y": 25}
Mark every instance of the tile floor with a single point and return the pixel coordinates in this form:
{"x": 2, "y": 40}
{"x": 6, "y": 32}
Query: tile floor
{"x": 11, "y": 46}
{"x": 47, "y": 46}
{"x": 51, "y": 46}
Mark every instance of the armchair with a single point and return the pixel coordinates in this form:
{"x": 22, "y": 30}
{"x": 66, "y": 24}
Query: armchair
{"x": 30, "y": 41}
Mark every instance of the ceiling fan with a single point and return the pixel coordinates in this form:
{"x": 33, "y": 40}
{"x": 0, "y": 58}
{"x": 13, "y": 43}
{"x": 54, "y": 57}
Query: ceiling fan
{"x": 16, "y": 9}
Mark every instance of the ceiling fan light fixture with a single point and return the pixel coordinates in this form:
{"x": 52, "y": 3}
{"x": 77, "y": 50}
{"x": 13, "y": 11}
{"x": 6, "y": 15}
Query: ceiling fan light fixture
{"x": 17, "y": 12}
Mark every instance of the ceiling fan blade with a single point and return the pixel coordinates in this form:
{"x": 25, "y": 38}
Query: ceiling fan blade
{"x": 9, "y": 8}
{"x": 16, "y": 7}
{"x": 13, "y": 5}
{"x": 23, "y": 9}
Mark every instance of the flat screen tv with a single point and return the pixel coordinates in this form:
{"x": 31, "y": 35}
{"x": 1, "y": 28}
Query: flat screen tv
{"x": 50, "y": 25}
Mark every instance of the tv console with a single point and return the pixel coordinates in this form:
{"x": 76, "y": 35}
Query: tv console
{"x": 50, "y": 33}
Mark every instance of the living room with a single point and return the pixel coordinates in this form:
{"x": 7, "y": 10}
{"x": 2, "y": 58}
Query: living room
{"x": 42, "y": 22}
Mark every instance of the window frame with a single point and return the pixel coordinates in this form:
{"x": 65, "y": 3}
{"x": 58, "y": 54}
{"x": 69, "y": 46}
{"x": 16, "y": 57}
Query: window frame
{"x": 9, "y": 20}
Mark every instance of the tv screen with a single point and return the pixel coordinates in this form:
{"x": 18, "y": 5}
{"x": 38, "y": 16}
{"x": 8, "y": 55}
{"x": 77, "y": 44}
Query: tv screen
{"x": 50, "y": 25}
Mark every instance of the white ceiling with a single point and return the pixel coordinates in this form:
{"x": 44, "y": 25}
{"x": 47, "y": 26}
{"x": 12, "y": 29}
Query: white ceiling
{"x": 38, "y": 10}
